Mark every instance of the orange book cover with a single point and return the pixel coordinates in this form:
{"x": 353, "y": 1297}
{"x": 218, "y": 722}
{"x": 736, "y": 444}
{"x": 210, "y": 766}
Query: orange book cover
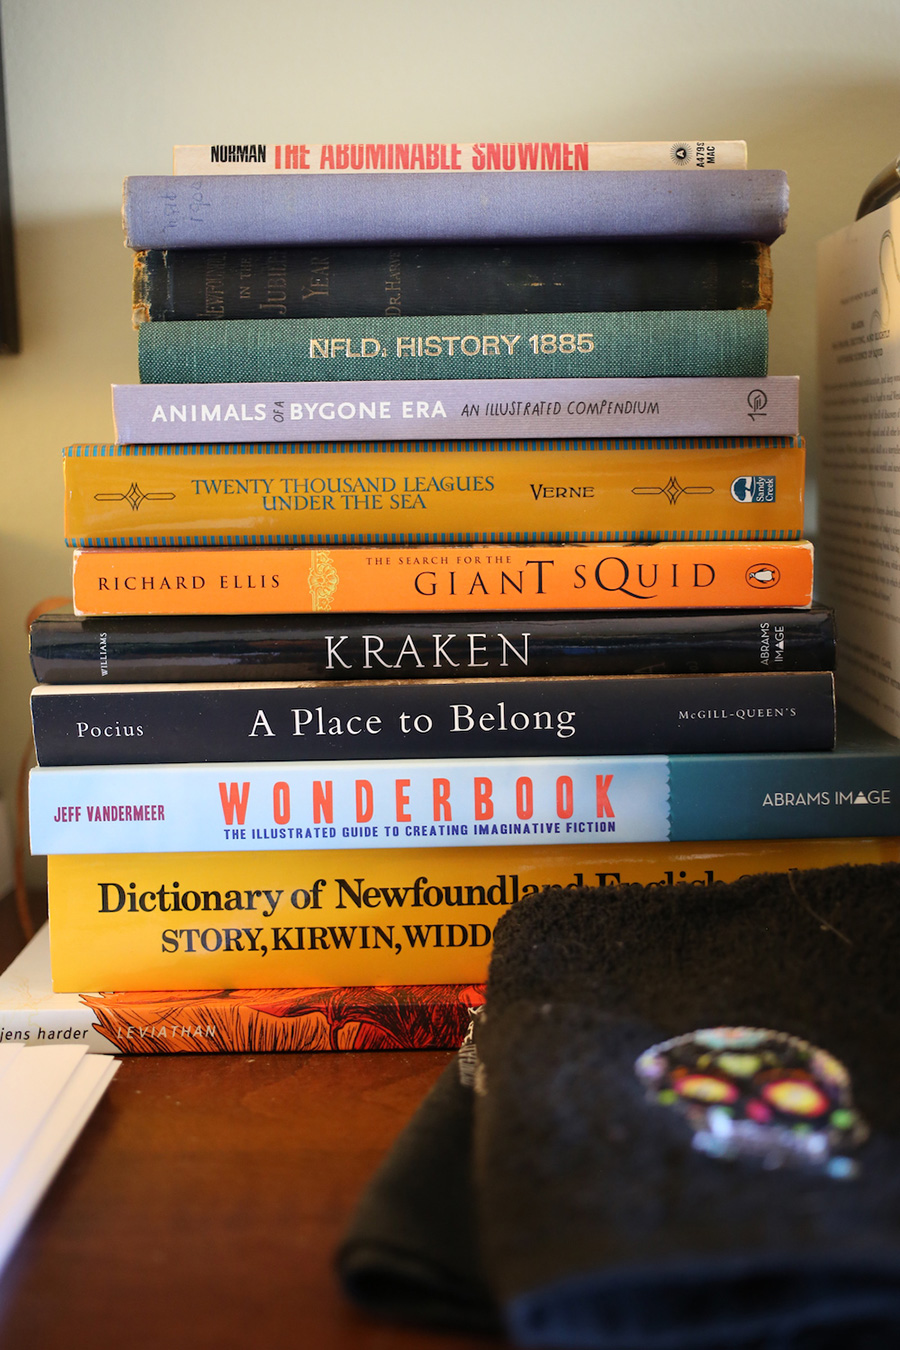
{"x": 418, "y": 492}
{"x": 443, "y": 577}
{"x": 336, "y": 1017}
{"x": 212, "y": 1021}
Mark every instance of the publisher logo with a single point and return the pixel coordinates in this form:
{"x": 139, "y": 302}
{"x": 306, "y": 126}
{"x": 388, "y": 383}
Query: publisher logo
{"x": 764, "y": 576}
{"x": 680, "y": 154}
{"x": 754, "y": 487}
{"x": 756, "y": 401}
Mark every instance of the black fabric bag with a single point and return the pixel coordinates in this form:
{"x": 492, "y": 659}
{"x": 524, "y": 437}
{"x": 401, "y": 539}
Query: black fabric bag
{"x": 732, "y": 1189}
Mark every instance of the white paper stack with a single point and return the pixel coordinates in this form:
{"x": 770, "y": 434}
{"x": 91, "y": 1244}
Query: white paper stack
{"x": 46, "y": 1096}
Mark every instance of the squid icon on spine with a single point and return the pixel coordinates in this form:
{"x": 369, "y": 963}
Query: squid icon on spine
{"x": 759, "y": 1095}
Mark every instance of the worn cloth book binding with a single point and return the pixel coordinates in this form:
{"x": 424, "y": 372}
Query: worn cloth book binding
{"x": 296, "y": 283}
{"x": 367, "y": 208}
{"x": 584, "y": 344}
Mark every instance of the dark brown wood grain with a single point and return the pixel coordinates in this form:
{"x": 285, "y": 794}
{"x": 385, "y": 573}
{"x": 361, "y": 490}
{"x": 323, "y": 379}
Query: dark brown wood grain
{"x": 202, "y": 1204}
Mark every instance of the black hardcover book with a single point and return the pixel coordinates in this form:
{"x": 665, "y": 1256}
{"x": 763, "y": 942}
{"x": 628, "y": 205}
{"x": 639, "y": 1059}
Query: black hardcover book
{"x": 143, "y": 650}
{"x": 395, "y": 280}
{"x": 433, "y": 719}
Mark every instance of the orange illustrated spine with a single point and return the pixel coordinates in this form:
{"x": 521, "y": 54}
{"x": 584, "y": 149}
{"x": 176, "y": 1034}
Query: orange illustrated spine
{"x": 445, "y": 577}
{"x": 262, "y": 1021}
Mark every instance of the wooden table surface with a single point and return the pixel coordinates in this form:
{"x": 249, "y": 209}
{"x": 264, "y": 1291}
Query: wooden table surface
{"x": 202, "y": 1204}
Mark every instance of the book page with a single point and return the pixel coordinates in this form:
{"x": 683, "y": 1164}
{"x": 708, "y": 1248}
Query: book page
{"x": 858, "y": 558}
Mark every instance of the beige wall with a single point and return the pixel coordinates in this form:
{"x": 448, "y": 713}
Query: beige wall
{"x": 97, "y": 89}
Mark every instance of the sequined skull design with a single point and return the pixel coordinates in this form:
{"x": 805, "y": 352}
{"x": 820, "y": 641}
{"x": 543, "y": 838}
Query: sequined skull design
{"x": 757, "y": 1094}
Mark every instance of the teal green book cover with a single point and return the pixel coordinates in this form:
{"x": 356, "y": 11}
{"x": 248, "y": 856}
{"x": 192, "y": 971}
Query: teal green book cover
{"x": 631, "y": 344}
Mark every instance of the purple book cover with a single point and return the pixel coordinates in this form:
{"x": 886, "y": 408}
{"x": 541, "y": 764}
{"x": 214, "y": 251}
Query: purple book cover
{"x": 226, "y": 211}
{"x": 175, "y": 414}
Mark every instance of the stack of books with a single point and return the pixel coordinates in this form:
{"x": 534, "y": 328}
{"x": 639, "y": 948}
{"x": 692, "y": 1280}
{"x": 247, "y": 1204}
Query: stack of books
{"x": 332, "y": 701}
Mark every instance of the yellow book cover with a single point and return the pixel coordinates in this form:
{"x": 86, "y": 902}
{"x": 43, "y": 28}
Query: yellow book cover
{"x": 449, "y": 577}
{"x": 361, "y": 917}
{"x": 400, "y": 492}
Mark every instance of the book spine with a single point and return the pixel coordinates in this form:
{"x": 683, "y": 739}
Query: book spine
{"x": 390, "y": 1017}
{"x": 235, "y": 210}
{"x": 78, "y": 1027}
{"x": 372, "y": 805}
{"x": 635, "y": 344}
{"x": 458, "y": 157}
{"x": 69, "y": 650}
{"x": 50, "y": 1026}
{"x": 168, "y": 1022}
{"x": 335, "y": 920}
{"x": 334, "y": 411}
{"x": 433, "y": 492}
{"x": 432, "y": 719}
{"x": 445, "y": 577}
{"x": 290, "y": 283}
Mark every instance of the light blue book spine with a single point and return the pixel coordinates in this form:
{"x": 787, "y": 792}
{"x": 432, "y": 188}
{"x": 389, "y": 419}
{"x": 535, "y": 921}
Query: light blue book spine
{"x": 196, "y": 211}
{"x": 467, "y": 803}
